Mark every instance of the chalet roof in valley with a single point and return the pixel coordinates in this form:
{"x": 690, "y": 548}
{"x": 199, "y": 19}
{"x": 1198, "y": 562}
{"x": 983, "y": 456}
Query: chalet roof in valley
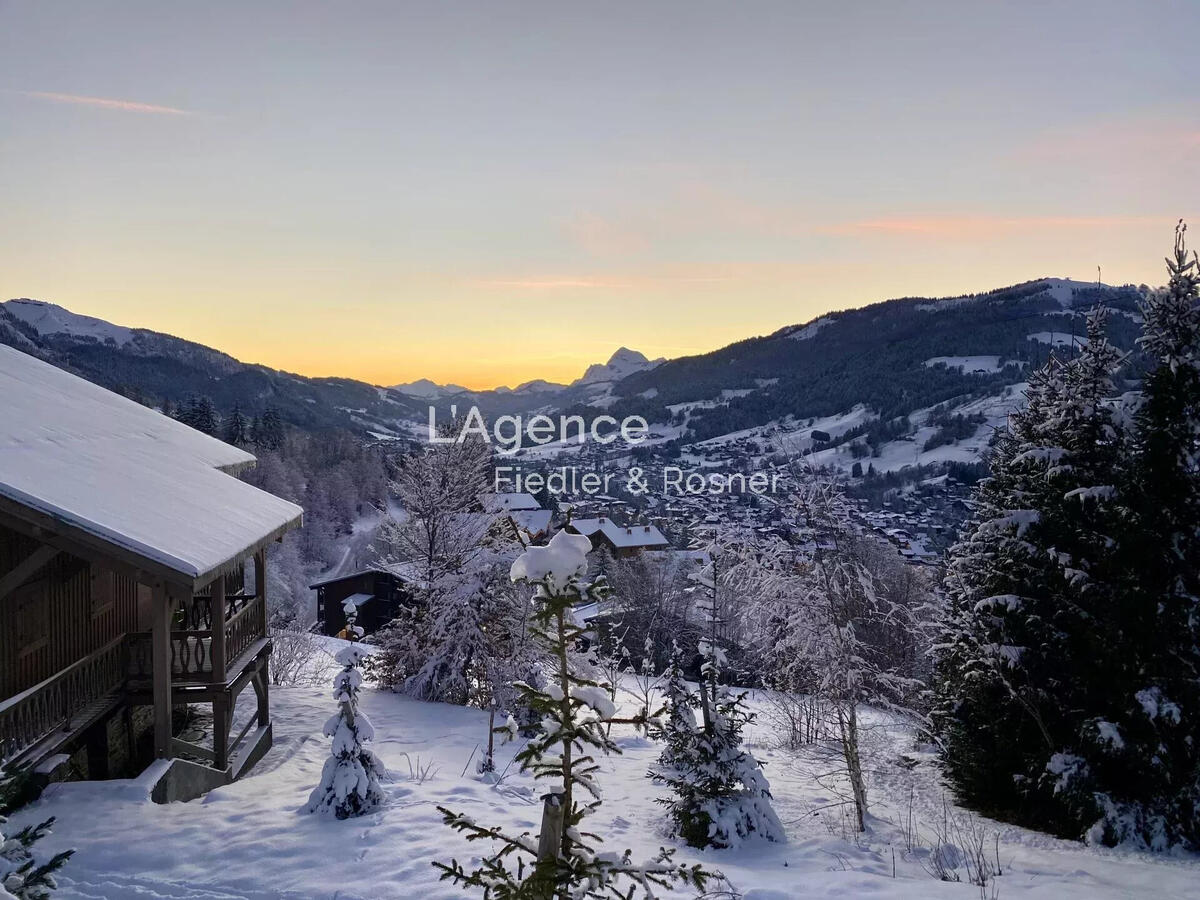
{"x": 621, "y": 536}
{"x": 508, "y": 502}
{"x": 533, "y": 521}
{"x": 103, "y": 468}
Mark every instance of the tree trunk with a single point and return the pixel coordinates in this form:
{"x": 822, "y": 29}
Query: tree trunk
{"x": 848, "y": 725}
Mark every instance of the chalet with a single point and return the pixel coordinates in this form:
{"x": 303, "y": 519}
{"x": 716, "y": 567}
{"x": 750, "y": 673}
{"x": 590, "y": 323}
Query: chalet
{"x": 507, "y": 503}
{"x": 378, "y": 594}
{"x": 533, "y": 524}
{"x": 621, "y": 540}
{"x": 123, "y": 540}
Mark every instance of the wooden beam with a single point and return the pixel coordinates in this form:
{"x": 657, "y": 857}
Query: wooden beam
{"x": 78, "y": 542}
{"x": 260, "y": 587}
{"x": 161, "y": 655}
{"x": 26, "y": 569}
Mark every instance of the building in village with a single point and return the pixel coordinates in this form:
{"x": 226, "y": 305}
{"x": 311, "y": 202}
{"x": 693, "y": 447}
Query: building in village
{"x": 124, "y": 538}
{"x": 377, "y": 594}
{"x": 621, "y": 540}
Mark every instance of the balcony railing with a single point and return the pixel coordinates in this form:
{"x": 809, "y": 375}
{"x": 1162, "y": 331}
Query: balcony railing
{"x": 70, "y": 699}
{"x": 192, "y": 648}
{"x": 63, "y": 701}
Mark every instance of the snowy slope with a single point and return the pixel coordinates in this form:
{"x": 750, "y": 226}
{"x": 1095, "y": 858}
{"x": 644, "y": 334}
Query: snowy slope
{"x": 250, "y": 841}
{"x": 49, "y": 319}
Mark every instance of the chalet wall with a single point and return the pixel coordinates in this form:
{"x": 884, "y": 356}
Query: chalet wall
{"x": 67, "y": 610}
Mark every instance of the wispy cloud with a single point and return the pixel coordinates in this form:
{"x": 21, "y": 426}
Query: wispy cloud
{"x": 107, "y": 103}
{"x": 976, "y": 226}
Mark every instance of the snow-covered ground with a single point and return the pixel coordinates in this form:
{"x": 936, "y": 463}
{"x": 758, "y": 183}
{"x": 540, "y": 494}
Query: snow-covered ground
{"x": 248, "y": 840}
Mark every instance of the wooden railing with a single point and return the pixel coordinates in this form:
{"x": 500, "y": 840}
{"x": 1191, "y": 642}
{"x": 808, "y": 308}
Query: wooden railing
{"x": 191, "y": 656}
{"x": 54, "y": 703}
{"x": 192, "y": 650}
{"x": 244, "y": 628}
{"x": 198, "y": 615}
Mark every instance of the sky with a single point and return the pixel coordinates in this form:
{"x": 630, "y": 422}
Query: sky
{"x": 486, "y": 193}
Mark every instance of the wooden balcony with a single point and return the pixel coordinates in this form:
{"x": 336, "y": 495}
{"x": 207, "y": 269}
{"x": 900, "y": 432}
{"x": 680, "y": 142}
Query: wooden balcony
{"x": 196, "y": 659}
{"x": 206, "y": 666}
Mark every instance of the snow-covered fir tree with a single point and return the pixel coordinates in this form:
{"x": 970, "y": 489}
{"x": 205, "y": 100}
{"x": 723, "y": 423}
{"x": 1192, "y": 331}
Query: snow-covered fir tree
{"x": 678, "y": 722}
{"x": 1069, "y": 655}
{"x": 350, "y": 780}
{"x": 22, "y": 876}
{"x": 237, "y": 428}
{"x": 1135, "y": 779}
{"x": 574, "y": 710}
{"x": 1003, "y": 651}
{"x": 720, "y": 796}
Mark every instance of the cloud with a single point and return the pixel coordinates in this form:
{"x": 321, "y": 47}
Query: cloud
{"x": 976, "y": 226}
{"x": 107, "y": 103}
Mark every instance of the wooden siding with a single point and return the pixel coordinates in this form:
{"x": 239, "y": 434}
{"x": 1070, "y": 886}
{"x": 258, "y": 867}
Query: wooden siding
{"x": 64, "y": 612}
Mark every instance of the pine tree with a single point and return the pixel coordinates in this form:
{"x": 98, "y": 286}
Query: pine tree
{"x": 350, "y": 779}
{"x": 680, "y": 712}
{"x": 1138, "y": 777}
{"x": 21, "y": 875}
{"x": 999, "y": 661}
{"x": 267, "y": 431}
{"x": 720, "y": 795}
{"x": 574, "y": 710}
{"x": 205, "y": 417}
{"x": 237, "y": 430}
{"x": 1069, "y": 664}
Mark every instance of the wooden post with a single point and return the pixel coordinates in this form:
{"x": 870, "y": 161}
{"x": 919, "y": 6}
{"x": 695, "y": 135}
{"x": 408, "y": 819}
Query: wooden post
{"x": 262, "y": 694}
{"x": 220, "y": 714}
{"x": 161, "y": 655}
{"x": 217, "y": 598}
{"x": 260, "y": 588}
{"x": 550, "y": 838}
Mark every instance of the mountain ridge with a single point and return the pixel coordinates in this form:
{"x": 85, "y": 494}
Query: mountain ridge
{"x": 882, "y": 356}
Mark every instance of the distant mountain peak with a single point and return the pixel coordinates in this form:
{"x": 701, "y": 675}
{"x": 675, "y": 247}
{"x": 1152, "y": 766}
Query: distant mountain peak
{"x": 622, "y": 363}
{"x": 425, "y": 388}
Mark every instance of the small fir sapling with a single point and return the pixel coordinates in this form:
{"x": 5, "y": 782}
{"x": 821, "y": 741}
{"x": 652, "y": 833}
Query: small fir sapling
{"x": 350, "y": 780}
{"x": 574, "y": 710}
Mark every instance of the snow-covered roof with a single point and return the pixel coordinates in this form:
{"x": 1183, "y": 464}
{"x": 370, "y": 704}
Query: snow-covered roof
{"x": 358, "y": 599}
{"x": 633, "y": 535}
{"x": 587, "y": 527}
{"x": 403, "y": 570}
{"x": 508, "y": 502}
{"x": 534, "y": 521}
{"x": 621, "y": 536}
{"x": 115, "y": 472}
